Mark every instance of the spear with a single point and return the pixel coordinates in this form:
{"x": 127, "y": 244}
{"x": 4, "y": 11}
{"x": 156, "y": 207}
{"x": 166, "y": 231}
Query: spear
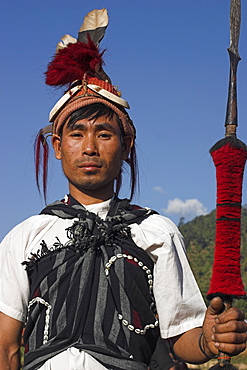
{"x": 229, "y": 156}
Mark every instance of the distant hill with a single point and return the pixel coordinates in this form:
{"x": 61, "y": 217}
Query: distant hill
{"x": 199, "y": 237}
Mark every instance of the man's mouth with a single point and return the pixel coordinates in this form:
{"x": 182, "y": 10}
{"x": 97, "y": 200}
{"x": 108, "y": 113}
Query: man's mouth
{"x": 90, "y": 165}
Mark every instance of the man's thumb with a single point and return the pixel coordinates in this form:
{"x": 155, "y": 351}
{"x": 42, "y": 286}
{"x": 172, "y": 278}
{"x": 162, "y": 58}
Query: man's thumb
{"x": 216, "y": 306}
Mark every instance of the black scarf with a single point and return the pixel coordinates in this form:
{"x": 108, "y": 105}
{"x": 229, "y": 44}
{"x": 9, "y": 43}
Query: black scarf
{"x": 94, "y": 292}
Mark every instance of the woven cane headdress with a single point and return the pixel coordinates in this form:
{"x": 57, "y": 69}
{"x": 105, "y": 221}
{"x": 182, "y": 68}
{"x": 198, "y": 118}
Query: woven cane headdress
{"x": 78, "y": 65}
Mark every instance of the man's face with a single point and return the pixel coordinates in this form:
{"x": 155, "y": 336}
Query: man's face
{"x": 91, "y": 152}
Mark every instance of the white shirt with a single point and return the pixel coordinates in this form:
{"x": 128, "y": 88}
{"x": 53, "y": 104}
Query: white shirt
{"x": 179, "y": 302}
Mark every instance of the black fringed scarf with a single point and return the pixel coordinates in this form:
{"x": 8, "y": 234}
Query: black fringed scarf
{"x": 94, "y": 292}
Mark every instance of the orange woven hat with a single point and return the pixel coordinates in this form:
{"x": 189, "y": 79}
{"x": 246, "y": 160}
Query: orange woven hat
{"x": 91, "y": 92}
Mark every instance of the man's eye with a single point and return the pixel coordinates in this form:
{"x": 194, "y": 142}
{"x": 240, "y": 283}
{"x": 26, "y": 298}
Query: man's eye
{"x": 104, "y": 135}
{"x": 76, "y": 134}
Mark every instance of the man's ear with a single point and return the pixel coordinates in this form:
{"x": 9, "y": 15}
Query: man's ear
{"x": 56, "y": 143}
{"x": 127, "y": 144}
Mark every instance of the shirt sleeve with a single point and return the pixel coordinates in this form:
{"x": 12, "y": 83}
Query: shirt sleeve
{"x": 180, "y": 305}
{"x": 14, "y": 288}
{"x": 15, "y": 248}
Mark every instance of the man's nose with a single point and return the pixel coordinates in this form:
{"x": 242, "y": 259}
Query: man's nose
{"x": 90, "y": 146}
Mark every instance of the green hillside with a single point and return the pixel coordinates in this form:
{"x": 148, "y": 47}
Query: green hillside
{"x": 199, "y": 237}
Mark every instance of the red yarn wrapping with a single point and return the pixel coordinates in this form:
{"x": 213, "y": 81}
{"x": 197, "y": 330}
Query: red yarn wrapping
{"x": 41, "y": 162}
{"x": 226, "y": 277}
{"x": 71, "y": 63}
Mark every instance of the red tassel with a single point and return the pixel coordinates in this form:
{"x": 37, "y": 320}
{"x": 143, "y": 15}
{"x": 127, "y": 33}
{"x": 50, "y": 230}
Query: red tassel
{"x": 41, "y": 162}
{"x": 37, "y": 158}
{"x": 226, "y": 277}
{"x": 45, "y": 167}
{"x": 132, "y": 162}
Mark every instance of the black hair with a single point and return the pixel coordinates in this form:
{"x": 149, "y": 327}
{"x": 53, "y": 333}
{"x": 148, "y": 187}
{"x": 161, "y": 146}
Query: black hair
{"x": 93, "y": 111}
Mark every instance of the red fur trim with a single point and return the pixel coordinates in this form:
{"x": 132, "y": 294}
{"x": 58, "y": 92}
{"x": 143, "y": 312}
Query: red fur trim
{"x": 226, "y": 276}
{"x": 71, "y": 63}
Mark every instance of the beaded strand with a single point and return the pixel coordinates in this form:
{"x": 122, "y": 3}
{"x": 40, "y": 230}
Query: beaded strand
{"x": 150, "y": 283}
{"x": 47, "y": 315}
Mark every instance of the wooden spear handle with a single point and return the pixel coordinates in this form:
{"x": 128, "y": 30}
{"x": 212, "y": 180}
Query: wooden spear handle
{"x": 231, "y": 121}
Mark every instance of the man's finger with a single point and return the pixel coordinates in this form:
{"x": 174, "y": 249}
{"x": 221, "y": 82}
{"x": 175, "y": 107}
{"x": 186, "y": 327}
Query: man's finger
{"x": 233, "y": 314}
{"x": 232, "y": 338}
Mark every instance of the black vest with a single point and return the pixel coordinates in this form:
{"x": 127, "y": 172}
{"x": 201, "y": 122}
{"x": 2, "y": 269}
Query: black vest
{"x": 94, "y": 292}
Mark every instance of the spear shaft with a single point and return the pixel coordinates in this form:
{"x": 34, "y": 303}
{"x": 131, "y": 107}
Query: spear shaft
{"x": 229, "y": 156}
{"x": 231, "y": 121}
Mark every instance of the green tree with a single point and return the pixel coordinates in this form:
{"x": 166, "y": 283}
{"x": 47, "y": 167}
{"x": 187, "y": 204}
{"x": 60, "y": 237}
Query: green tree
{"x": 199, "y": 235}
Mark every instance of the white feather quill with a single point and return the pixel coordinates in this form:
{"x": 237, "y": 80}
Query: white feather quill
{"x": 94, "y": 24}
{"x": 95, "y": 19}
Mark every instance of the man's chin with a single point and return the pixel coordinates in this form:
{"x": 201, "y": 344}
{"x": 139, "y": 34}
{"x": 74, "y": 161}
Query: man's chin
{"x": 92, "y": 186}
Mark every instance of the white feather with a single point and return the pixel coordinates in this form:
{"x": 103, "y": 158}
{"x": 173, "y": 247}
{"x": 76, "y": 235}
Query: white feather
{"x": 65, "y": 41}
{"x": 95, "y": 19}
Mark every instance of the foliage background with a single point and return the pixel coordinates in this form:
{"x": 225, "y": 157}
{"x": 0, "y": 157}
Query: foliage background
{"x": 199, "y": 237}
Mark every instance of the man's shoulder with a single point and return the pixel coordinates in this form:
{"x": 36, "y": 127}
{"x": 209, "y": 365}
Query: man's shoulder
{"x": 161, "y": 223}
{"x": 30, "y": 225}
{"x": 34, "y": 220}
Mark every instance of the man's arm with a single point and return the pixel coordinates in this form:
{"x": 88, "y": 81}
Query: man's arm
{"x": 10, "y": 339}
{"x": 225, "y": 332}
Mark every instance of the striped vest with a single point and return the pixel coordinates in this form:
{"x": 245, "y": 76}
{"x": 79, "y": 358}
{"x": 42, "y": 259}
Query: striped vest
{"x": 94, "y": 292}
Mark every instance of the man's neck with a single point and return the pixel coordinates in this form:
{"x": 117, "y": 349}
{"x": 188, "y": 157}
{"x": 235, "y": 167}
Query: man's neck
{"x": 90, "y": 197}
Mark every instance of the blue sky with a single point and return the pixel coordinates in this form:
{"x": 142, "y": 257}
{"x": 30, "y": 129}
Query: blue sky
{"x": 168, "y": 58}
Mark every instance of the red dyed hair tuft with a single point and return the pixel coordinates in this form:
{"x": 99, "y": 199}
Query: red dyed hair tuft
{"x": 73, "y": 62}
{"x": 41, "y": 161}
